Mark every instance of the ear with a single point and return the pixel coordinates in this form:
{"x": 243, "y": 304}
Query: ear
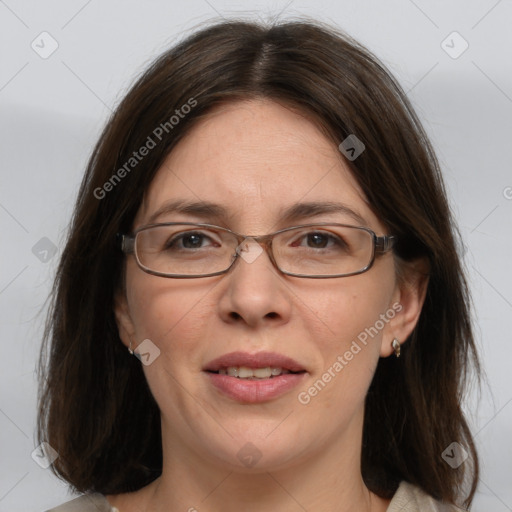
{"x": 407, "y": 302}
{"x": 123, "y": 318}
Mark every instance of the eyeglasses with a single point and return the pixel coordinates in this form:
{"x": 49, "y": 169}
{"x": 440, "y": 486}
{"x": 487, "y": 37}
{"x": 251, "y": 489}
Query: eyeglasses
{"x": 190, "y": 250}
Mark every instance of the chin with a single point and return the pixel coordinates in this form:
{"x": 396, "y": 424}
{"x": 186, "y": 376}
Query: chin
{"x": 255, "y": 448}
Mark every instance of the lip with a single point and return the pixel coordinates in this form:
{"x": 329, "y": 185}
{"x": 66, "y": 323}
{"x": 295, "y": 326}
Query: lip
{"x": 258, "y": 360}
{"x": 254, "y": 391}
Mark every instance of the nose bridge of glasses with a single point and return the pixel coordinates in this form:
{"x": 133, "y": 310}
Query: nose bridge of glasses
{"x": 249, "y": 248}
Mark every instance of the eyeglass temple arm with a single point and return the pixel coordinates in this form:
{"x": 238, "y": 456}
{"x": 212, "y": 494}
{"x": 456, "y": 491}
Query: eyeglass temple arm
{"x": 126, "y": 242}
{"x": 384, "y": 243}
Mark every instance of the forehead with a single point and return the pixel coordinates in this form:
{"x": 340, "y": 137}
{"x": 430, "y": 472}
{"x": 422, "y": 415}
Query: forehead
{"x": 255, "y": 158}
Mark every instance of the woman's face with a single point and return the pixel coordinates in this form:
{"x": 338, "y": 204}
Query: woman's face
{"x": 256, "y": 159}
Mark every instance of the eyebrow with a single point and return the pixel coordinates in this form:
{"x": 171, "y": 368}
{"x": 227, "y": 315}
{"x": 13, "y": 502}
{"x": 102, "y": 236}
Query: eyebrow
{"x": 213, "y": 211}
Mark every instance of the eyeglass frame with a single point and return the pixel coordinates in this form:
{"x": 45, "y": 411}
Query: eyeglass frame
{"x": 381, "y": 245}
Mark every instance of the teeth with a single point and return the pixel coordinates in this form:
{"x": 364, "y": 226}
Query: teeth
{"x": 243, "y": 372}
{"x": 260, "y": 373}
{"x": 233, "y": 371}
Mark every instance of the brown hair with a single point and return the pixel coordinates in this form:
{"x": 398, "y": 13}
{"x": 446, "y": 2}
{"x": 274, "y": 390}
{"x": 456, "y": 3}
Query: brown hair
{"x": 95, "y": 406}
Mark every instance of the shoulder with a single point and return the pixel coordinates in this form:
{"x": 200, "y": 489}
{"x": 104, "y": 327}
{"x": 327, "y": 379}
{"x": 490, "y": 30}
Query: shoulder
{"x": 410, "y": 498}
{"x": 86, "y": 503}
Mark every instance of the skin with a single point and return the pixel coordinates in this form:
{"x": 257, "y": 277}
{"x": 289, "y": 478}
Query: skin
{"x": 255, "y": 157}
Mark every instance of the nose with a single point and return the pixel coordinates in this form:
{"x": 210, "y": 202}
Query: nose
{"x": 255, "y": 292}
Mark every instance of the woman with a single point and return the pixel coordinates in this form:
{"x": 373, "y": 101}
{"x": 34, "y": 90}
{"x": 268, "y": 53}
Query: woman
{"x": 260, "y": 305}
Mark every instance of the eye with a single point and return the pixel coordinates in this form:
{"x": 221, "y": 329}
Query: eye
{"x": 188, "y": 240}
{"x": 317, "y": 240}
{"x": 320, "y": 240}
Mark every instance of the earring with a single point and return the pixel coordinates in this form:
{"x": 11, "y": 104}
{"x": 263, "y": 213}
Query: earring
{"x": 396, "y": 347}
{"x": 130, "y": 348}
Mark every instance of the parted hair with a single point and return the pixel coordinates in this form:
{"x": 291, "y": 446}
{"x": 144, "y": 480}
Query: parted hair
{"x": 95, "y": 407}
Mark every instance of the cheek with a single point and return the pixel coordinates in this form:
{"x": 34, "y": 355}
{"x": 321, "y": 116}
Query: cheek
{"x": 346, "y": 325}
{"x": 170, "y": 314}
{"x": 175, "y": 316}
{"x": 339, "y": 311}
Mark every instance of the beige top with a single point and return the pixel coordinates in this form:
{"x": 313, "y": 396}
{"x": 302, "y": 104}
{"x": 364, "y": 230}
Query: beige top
{"x": 408, "y": 498}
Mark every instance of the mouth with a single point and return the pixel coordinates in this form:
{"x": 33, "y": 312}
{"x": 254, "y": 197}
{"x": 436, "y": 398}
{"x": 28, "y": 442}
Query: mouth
{"x": 244, "y": 372}
{"x": 254, "y": 378}
{"x": 246, "y": 365}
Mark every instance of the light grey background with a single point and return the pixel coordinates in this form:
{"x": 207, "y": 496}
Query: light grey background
{"x": 52, "y": 111}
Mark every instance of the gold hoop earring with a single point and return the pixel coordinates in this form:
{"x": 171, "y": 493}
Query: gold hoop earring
{"x": 396, "y": 347}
